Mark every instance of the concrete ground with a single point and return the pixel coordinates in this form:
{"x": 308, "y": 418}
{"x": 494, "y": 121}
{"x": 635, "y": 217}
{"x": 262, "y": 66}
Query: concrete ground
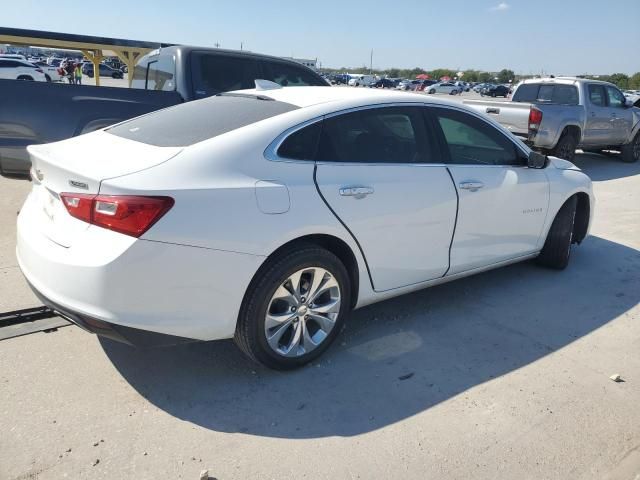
{"x": 502, "y": 375}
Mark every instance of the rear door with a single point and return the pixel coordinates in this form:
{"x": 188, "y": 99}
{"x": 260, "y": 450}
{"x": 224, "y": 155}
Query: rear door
{"x": 599, "y": 123}
{"x": 502, "y": 203}
{"x": 377, "y": 171}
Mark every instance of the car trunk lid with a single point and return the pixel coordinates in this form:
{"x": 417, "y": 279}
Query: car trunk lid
{"x": 79, "y": 165}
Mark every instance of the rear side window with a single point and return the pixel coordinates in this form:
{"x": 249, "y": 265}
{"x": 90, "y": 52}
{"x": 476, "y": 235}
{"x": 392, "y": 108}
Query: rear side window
{"x": 596, "y": 95}
{"x": 289, "y": 75}
{"x": 379, "y": 135}
{"x": 213, "y": 74}
{"x": 302, "y": 144}
{"x": 193, "y": 122}
{"x": 161, "y": 74}
{"x": 616, "y": 98}
{"x": 471, "y": 141}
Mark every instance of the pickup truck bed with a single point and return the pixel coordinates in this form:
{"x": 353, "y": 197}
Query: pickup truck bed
{"x": 36, "y": 112}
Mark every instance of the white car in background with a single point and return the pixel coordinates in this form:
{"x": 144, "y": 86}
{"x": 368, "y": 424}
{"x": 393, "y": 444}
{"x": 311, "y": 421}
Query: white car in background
{"x": 361, "y": 80}
{"x": 443, "y": 87}
{"x": 266, "y": 215}
{"x": 12, "y": 69}
{"x": 50, "y": 72}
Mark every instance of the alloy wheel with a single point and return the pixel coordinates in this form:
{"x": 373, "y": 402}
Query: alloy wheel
{"x": 302, "y": 312}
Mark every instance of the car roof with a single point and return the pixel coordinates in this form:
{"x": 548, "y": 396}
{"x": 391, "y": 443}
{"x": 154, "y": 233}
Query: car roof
{"x": 310, "y": 96}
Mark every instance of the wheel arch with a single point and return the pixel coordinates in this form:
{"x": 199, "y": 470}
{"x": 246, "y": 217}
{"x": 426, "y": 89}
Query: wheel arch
{"x": 333, "y": 244}
{"x": 571, "y": 129}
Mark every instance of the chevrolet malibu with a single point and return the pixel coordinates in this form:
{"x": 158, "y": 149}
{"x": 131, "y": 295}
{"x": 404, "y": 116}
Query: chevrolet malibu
{"x": 267, "y": 215}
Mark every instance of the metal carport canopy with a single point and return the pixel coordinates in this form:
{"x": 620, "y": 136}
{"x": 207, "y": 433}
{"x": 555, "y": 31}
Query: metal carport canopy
{"x": 94, "y": 48}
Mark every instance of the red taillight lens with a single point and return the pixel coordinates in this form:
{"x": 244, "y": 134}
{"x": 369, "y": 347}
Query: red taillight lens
{"x": 535, "y": 117}
{"x": 130, "y": 215}
{"x": 78, "y": 205}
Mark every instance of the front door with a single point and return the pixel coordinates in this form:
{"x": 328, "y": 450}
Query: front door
{"x": 502, "y": 203}
{"x": 377, "y": 172}
{"x": 621, "y": 116}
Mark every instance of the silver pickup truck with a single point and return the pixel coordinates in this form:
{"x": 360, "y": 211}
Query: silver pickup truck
{"x": 558, "y": 115}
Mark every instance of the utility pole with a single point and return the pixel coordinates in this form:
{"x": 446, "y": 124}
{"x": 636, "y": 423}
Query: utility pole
{"x": 371, "y": 63}
{"x": 240, "y": 45}
{"x": 217, "y": 44}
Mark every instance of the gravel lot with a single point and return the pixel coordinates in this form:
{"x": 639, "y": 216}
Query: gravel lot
{"x": 502, "y": 375}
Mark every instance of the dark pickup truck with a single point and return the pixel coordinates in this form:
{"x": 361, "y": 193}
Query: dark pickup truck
{"x": 38, "y": 112}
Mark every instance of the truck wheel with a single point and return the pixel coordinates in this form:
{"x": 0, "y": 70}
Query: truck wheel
{"x": 294, "y": 308}
{"x": 631, "y": 151}
{"x": 566, "y": 147}
{"x": 557, "y": 247}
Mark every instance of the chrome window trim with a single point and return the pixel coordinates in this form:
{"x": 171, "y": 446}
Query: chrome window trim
{"x": 271, "y": 152}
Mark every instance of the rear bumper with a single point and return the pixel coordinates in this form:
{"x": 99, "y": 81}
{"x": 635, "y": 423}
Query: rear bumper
{"x": 119, "y": 333}
{"x": 116, "y": 285}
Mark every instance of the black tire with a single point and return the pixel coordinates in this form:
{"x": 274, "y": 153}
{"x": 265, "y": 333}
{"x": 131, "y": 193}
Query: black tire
{"x": 432, "y": 91}
{"x": 47, "y": 77}
{"x": 250, "y": 330}
{"x": 566, "y": 147}
{"x": 557, "y": 247}
{"x": 493, "y": 95}
{"x": 630, "y": 152}
{"x": 25, "y": 77}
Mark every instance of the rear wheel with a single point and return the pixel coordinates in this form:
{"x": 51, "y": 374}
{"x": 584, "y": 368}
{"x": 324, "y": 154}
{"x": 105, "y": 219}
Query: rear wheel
{"x": 47, "y": 77}
{"x": 294, "y": 308}
{"x": 25, "y": 77}
{"x": 557, "y": 247}
{"x": 631, "y": 151}
{"x": 432, "y": 91}
{"x": 566, "y": 147}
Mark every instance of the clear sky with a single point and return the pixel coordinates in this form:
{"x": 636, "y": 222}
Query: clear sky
{"x": 528, "y": 36}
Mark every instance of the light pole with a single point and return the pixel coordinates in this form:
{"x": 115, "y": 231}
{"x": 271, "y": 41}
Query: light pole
{"x": 371, "y": 63}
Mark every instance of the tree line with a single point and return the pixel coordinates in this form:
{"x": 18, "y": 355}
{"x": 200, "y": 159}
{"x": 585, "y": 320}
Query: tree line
{"x": 505, "y": 75}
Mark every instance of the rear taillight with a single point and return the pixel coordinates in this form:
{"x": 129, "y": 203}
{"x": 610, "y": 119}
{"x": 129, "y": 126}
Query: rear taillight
{"x": 130, "y": 215}
{"x": 535, "y": 118}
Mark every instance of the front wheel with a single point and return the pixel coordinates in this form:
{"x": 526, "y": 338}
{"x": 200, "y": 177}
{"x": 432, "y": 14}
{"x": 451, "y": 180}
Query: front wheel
{"x": 432, "y": 91}
{"x": 557, "y": 248}
{"x": 631, "y": 151}
{"x": 294, "y": 308}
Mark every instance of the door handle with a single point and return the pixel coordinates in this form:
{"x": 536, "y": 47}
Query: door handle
{"x": 473, "y": 186}
{"x": 357, "y": 192}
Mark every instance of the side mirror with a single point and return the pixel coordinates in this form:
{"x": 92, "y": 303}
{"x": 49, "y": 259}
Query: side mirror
{"x": 537, "y": 160}
{"x": 628, "y": 102}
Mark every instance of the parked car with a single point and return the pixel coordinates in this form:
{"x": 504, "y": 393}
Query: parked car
{"x": 443, "y": 87}
{"x": 384, "y": 83}
{"x": 463, "y": 86}
{"x": 423, "y": 84}
{"x": 361, "y": 80}
{"x": 162, "y": 78}
{"x": 408, "y": 84}
{"x": 13, "y": 56}
{"x": 496, "y": 91}
{"x": 14, "y": 69}
{"x": 152, "y": 237}
{"x": 51, "y": 73}
{"x": 558, "y": 115}
{"x": 105, "y": 71}
{"x": 340, "y": 79}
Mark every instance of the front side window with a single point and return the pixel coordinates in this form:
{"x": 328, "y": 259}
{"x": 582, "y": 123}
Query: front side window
{"x": 616, "y": 98}
{"x": 379, "y": 135}
{"x": 213, "y": 74}
{"x": 471, "y": 141}
{"x": 596, "y": 95}
{"x": 161, "y": 73}
{"x": 289, "y": 75}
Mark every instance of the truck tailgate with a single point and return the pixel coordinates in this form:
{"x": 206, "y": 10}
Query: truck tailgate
{"x": 512, "y": 115}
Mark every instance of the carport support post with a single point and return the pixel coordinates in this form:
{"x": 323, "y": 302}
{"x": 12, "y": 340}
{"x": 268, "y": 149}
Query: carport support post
{"x": 96, "y": 57}
{"x": 129, "y": 58}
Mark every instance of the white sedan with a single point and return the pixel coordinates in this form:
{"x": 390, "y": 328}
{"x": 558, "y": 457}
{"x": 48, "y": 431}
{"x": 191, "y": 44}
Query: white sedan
{"x": 444, "y": 87}
{"x": 267, "y": 215}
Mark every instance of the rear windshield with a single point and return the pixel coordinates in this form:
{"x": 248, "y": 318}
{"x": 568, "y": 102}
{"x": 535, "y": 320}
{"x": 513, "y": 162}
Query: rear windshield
{"x": 200, "y": 120}
{"x": 546, "y": 93}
